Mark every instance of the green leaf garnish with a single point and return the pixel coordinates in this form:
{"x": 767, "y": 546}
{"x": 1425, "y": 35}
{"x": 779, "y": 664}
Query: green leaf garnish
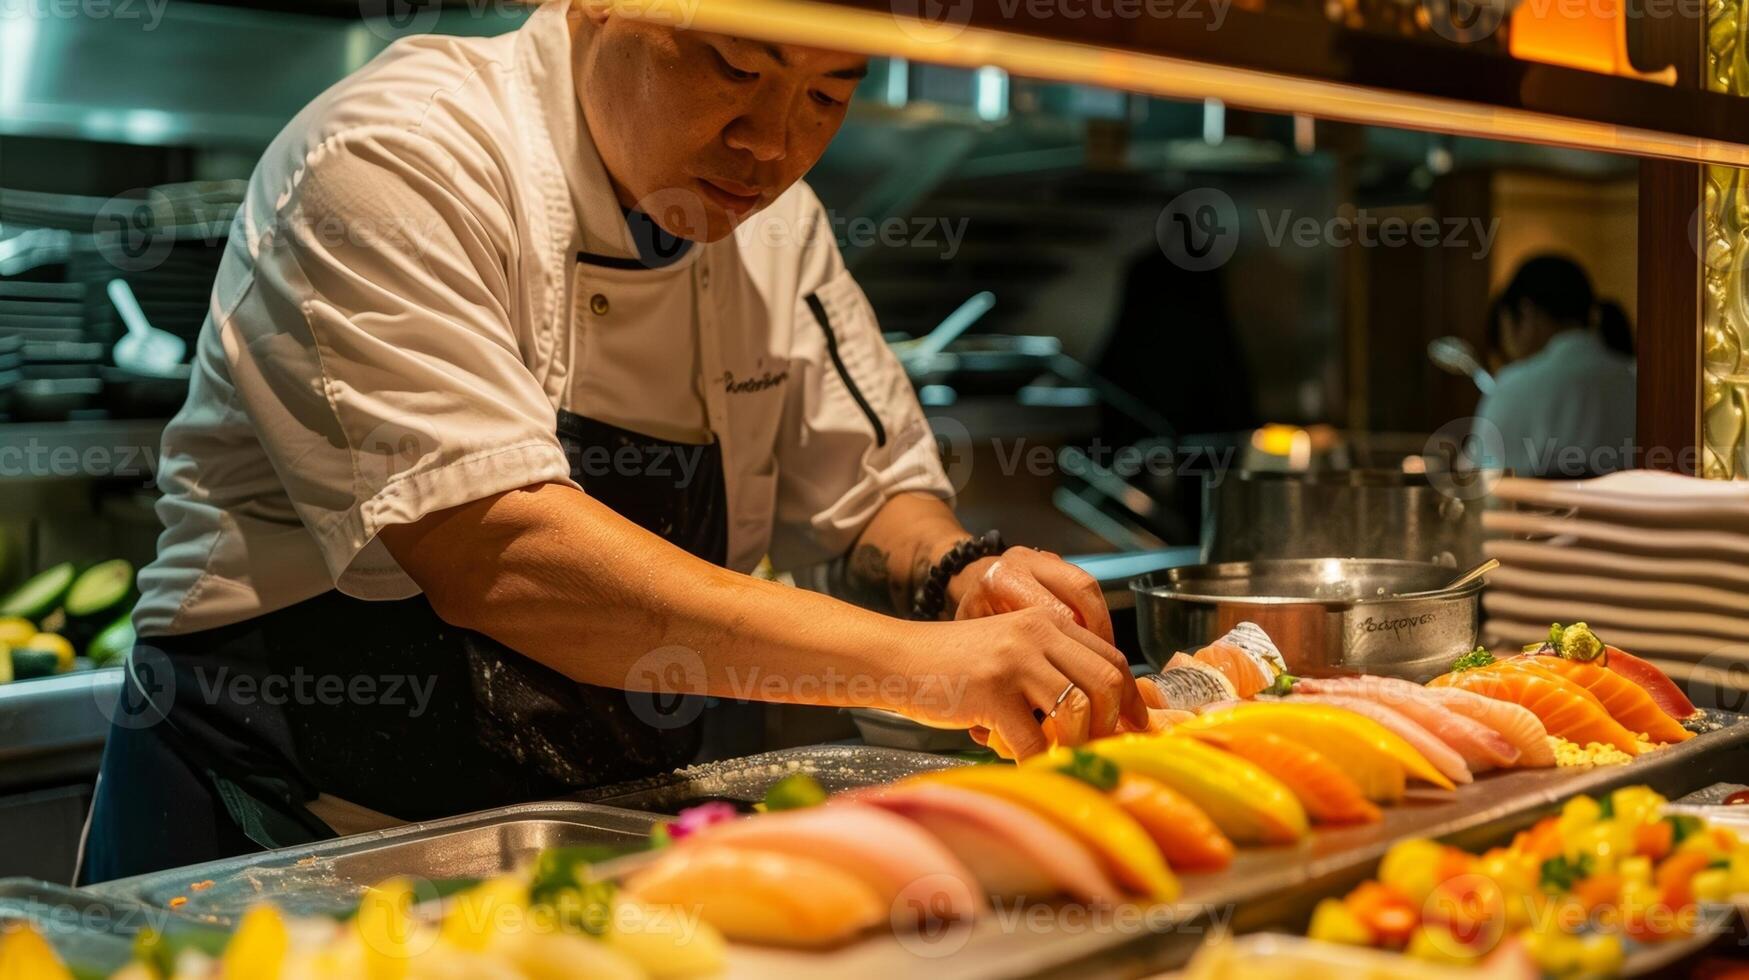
{"x": 1282, "y": 686}
{"x": 1479, "y": 657}
{"x": 1094, "y": 770}
{"x": 794, "y": 792}
{"x": 1560, "y": 873}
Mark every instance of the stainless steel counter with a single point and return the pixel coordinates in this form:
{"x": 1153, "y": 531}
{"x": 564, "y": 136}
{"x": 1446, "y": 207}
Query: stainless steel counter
{"x": 52, "y": 729}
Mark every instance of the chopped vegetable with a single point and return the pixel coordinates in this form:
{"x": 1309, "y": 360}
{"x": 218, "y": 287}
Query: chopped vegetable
{"x": 1479, "y": 657}
{"x": 793, "y": 792}
{"x": 1094, "y": 770}
{"x": 1561, "y": 873}
{"x": 1281, "y": 687}
{"x": 1575, "y": 642}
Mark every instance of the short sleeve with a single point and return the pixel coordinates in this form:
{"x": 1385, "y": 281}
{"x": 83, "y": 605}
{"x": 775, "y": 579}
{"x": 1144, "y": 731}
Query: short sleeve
{"x": 374, "y": 350}
{"x": 854, "y": 433}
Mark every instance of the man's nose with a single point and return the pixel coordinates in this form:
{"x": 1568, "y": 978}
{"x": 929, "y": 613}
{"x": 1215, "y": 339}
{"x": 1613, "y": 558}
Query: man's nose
{"x": 764, "y": 130}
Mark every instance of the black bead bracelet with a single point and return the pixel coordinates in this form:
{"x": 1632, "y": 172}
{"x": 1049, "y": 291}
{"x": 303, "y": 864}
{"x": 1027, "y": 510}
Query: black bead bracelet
{"x": 931, "y": 595}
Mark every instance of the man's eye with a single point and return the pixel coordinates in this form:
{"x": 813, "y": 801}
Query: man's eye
{"x": 827, "y": 100}
{"x": 730, "y": 70}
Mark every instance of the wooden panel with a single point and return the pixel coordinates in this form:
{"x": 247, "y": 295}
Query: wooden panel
{"x": 1669, "y": 317}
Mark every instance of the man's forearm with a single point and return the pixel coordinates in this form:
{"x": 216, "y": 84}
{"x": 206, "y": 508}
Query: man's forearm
{"x": 907, "y": 535}
{"x": 561, "y": 578}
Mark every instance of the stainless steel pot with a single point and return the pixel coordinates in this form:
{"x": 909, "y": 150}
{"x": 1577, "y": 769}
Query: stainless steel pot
{"x": 1327, "y": 615}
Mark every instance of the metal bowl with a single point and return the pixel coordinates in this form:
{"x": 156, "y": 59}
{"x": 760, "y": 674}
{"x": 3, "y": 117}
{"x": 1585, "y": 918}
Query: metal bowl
{"x": 1327, "y": 615}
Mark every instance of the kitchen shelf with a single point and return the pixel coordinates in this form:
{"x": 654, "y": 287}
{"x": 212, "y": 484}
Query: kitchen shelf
{"x": 83, "y": 450}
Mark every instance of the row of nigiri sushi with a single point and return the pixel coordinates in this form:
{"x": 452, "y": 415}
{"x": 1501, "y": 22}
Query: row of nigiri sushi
{"x": 1116, "y": 818}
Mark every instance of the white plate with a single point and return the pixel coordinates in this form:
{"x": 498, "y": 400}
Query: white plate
{"x": 1559, "y": 558}
{"x": 1643, "y": 498}
{"x": 1505, "y": 631}
{"x": 1606, "y": 617}
{"x": 1686, "y": 544}
{"x": 1627, "y": 593}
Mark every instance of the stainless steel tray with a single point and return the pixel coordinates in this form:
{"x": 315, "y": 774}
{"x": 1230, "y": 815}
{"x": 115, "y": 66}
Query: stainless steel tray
{"x": 327, "y": 877}
{"x": 745, "y": 780}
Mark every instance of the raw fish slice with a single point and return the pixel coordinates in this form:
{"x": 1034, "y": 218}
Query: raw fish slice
{"x": 1376, "y": 759}
{"x": 761, "y": 896}
{"x": 1256, "y": 644}
{"x": 1187, "y": 688}
{"x": 1248, "y": 678}
{"x": 1565, "y": 708}
{"x": 1626, "y": 702}
{"x": 1655, "y": 682}
{"x": 1012, "y": 850}
{"x": 1443, "y": 756}
{"x": 1187, "y": 838}
{"x": 885, "y": 851}
{"x": 1482, "y": 747}
{"x": 1514, "y": 722}
{"x": 1534, "y": 665}
{"x": 1326, "y": 792}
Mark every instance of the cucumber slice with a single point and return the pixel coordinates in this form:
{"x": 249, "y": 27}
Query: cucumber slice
{"x": 5, "y": 664}
{"x": 100, "y": 588}
{"x": 39, "y": 596}
{"x": 113, "y": 642}
{"x": 28, "y": 663}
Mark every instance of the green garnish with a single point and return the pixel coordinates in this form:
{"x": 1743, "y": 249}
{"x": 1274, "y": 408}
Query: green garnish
{"x": 1094, "y": 770}
{"x": 795, "y": 791}
{"x": 660, "y": 837}
{"x": 1479, "y": 657}
{"x": 561, "y": 883}
{"x": 1282, "y": 686}
{"x": 1683, "y": 826}
{"x": 1606, "y": 807}
{"x": 1561, "y": 873}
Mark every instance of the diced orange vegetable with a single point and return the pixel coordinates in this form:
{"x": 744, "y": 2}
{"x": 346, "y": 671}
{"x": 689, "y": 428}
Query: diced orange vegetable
{"x": 1385, "y": 911}
{"x": 1542, "y": 841}
{"x": 1603, "y": 889}
{"x": 1654, "y": 840}
{"x": 1680, "y": 867}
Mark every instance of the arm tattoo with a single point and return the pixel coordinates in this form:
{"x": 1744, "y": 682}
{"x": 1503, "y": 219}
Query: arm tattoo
{"x": 865, "y": 577}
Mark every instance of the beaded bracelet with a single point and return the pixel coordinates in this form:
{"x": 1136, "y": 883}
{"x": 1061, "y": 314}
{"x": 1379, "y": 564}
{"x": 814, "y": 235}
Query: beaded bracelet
{"x": 931, "y": 595}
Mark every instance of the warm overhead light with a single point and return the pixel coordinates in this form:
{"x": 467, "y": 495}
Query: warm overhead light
{"x": 842, "y": 28}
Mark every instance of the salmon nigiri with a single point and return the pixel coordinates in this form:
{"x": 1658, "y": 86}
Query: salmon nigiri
{"x": 1564, "y": 708}
{"x": 1247, "y": 657}
{"x": 1514, "y": 722}
{"x": 1653, "y": 681}
{"x": 1187, "y": 838}
{"x": 1626, "y": 702}
{"x": 1443, "y": 756}
{"x": 1481, "y": 747}
{"x": 1327, "y": 793}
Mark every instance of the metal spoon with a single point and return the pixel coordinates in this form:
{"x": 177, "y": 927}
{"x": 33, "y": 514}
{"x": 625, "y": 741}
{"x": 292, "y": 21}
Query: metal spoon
{"x": 1457, "y": 583}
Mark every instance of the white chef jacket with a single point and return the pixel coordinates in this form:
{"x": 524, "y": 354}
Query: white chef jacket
{"x": 1574, "y": 397}
{"x": 429, "y": 265}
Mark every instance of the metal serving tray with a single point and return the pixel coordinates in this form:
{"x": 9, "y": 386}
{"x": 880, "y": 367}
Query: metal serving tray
{"x": 744, "y": 781}
{"x": 328, "y": 876}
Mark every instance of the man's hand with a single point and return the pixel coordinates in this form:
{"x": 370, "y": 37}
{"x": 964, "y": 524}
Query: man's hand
{"x": 1021, "y": 578}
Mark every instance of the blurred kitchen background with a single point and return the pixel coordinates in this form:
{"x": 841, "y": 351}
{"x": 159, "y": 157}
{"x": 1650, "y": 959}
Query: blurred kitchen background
{"x": 1291, "y": 385}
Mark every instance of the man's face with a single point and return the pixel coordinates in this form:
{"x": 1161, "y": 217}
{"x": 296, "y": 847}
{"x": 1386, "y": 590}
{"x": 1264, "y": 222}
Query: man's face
{"x": 700, "y": 128}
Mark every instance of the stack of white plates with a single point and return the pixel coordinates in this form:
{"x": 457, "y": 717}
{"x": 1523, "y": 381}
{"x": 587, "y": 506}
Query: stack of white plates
{"x": 1657, "y": 563}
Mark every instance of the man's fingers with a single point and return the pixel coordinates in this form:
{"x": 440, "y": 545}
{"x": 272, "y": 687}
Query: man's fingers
{"x": 1099, "y": 682}
{"x": 1129, "y": 698}
{"x": 1013, "y": 587}
{"x": 1019, "y": 733}
{"x": 979, "y": 734}
{"x": 1077, "y": 590}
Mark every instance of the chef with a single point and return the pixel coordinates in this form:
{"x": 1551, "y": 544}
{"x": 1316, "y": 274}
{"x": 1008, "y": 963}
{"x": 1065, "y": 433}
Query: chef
{"x": 523, "y": 354}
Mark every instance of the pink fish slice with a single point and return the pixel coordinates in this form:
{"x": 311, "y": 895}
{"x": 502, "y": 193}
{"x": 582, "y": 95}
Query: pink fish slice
{"x": 1481, "y": 747}
{"x": 1442, "y": 756}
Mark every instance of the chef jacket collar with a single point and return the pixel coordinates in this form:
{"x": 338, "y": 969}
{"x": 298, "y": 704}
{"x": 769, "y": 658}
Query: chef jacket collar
{"x": 545, "y": 59}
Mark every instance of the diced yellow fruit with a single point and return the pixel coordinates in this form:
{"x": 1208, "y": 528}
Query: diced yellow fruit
{"x": 1411, "y": 866}
{"x": 1740, "y": 873}
{"x": 26, "y": 955}
{"x": 1712, "y": 885}
{"x": 1601, "y": 955}
{"x": 55, "y": 643}
{"x": 1637, "y": 868}
{"x": 1334, "y": 922}
{"x": 667, "y": 941}
{"x": 1435, "y": 944}
{"x": 386, "y": 928}
{"x": 495, "y": 904}
{"x": 546, "y": 955}
{"x": 1553, "y": 952}
{"x": 259, "y": 946}
{"x": 1636, "y": 805}
{"x": 1579, "y": 813}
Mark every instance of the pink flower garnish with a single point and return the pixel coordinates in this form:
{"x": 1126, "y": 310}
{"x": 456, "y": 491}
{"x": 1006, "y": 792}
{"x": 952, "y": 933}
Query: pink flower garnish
{"x": 696, "y": 818}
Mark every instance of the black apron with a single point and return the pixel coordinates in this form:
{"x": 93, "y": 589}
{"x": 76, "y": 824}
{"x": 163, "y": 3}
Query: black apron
{"x": 221, "y": 737}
